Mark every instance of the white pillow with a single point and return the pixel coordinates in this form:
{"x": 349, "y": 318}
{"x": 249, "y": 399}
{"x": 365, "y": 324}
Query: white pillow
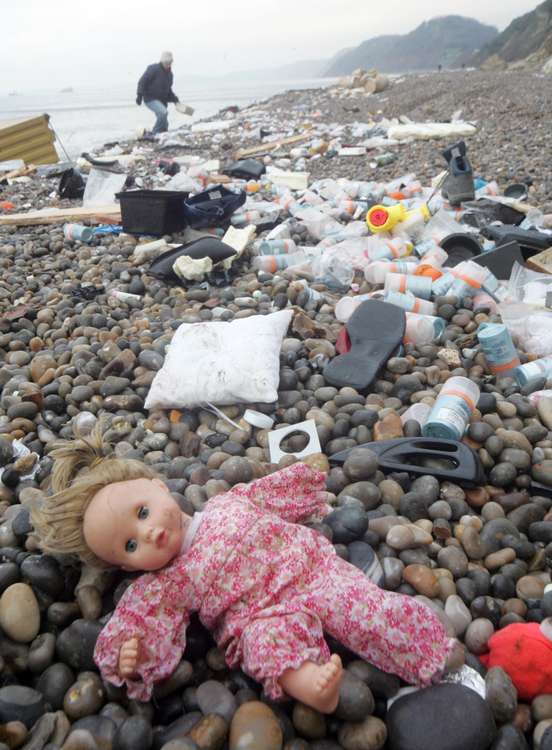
{"x": 223, "y": 363}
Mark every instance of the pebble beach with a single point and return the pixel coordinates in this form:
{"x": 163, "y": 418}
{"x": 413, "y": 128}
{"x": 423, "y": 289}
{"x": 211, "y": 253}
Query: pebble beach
{"x": 71, "y": 352}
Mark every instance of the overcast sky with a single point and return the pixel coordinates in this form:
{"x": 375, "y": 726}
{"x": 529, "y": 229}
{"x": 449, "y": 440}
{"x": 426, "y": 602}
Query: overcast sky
{"x": 56, "y": 43}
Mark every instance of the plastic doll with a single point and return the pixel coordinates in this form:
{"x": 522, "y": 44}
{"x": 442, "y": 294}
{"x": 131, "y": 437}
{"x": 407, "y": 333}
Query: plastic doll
{"x": 265, "y": 585}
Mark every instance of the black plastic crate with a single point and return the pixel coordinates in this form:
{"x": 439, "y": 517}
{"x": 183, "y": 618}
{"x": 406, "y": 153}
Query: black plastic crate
{"x": 154, "y": 212}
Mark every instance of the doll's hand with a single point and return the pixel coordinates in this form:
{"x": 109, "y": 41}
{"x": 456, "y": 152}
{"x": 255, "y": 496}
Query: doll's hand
{"x": 128, "y": 657}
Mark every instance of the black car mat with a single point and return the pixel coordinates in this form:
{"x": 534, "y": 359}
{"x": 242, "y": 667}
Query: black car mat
{"x": 444, "y": 459}
{"x": 375, "y": 330}
{"x": 205, "y": 247}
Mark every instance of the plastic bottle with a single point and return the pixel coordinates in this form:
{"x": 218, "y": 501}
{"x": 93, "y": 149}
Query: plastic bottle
{"x": 319, "y": 224}
{"x": 280, "y": 232}
{"x": 435, "y": 257}
{"x": 245, "y": 217}
{"x": 78, "y": 233}
{"x": 382, "y": 160}
{"x": 452, "y": 410}
{"x": 420, "y": 286}
{"x": 410, "y": 303}
{"x": 535, "y": 369}
{"x": 273, "y": 263}
{"x": 126, "y": 297}
{"x": 470, "y": 277}
{"x": 380, "y": 248}
{"x": 425, "y": 246}
{"x": 536, "y": 396}
{"x": 347, "y": 305}
{"x": 313, "y": 294}
{"x": 276, "y": 247}
{"x": 376, "y": 272}
{"x": 442, "y": 285}
{"x": 498, "y": 348}
{"x": 418, "y": 412}
{"x": 423, "y": 329}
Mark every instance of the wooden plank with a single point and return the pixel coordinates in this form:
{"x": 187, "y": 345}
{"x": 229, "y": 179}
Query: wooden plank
{"x": 99, "y": 214}
{"x": 541, "y": 262}
{"x": 21, "y": 172}
{"x": 266, "y": 148}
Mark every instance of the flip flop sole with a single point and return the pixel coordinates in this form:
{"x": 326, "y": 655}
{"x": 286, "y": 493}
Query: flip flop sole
{"x": 375, "y": 329}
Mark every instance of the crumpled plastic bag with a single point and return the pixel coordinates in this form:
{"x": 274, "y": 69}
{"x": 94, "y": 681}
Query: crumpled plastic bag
{"x": 524, "y": 312}
{"x": 191, "y": 269}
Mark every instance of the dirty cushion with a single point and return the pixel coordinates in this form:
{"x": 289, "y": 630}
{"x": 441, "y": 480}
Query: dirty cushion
{"x": 222, "y": 363}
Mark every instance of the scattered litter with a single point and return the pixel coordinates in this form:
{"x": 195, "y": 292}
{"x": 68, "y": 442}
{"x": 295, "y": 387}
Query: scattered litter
{"x": 427, "y": 130}
{"x": 258, "y": 419}
{"x": 78, "y": 233}
{"x": 276, "y": 437}
{"x": 444, "y": 459}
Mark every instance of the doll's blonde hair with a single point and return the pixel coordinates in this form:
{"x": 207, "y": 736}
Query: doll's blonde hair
{"x": 82, "y": 467}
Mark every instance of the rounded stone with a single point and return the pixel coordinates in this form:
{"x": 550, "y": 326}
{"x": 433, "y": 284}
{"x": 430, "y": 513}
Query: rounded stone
{"x": 20, "y": 703}
{"x": 135, "y": 733}
{"x": 236, "y": 470}
{"x": 308, "y": 722}
{"x": 355, "y": 699}
{"x": 75, "y": 644}
{"x": 361, "y": 463}
{"x": 255, "y": 726}
{"x": 422, "y": 579}
{"x": 458, "y": 614}
{"x": 369, "y": 734}
{"x": 214, "y": 698}
{"x": 84, "y": 698}
{"x": 19, "y": 613}
{"x": 437, "y": 718}
{"x": 477, "y": 635}
{"x": 501, "y": 695}
{"x": 54, "y": 682}
{"x": 453, "y": 559}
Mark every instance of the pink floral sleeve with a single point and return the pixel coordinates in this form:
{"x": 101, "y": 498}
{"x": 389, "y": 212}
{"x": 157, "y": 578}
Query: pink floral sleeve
{"x": 150, "y": 611}
{"x": 294, "y": 493}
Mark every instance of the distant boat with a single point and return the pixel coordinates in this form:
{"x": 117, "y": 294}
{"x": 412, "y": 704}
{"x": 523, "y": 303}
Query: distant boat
{"x": 13, "y": 93}
{"x": 67, "y": 90}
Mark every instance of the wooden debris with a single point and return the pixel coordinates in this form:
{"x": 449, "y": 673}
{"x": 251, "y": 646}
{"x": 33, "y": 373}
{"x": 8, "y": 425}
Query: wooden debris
{"x": 110, "y": 214}
{"x": 541, "y": 262}
{"x": 266, "y": 148}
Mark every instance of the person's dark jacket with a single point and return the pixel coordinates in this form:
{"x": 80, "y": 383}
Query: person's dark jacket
{"x": 156, "y": 83}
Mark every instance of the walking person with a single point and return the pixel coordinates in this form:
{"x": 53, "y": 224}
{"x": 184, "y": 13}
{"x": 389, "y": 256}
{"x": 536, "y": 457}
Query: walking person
{"x": 155, "y": 90}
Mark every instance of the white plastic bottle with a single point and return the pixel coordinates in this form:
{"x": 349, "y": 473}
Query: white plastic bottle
{"x": 423, "y": 329}
{"x": 376, "y": 272}
{"x": 347, "y": 305}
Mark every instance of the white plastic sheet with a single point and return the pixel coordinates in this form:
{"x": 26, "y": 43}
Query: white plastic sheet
{"x": 427, "y": 130}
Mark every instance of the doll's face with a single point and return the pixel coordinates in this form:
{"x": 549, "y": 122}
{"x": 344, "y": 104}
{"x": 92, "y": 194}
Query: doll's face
{"x": 135, "y": 525}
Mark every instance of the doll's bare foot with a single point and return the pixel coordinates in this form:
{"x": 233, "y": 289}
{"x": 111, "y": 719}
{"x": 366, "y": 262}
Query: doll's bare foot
{"x": 456, "y": 658}
{"x": 315, "y": 685}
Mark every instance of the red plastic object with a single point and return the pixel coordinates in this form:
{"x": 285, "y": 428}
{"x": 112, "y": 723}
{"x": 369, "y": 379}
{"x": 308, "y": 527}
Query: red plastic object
{"x": 343, "y": 342}
{"x": 6, "y": 206}
{"x": 525, "y": 654}
{"x": 379, "y": 217}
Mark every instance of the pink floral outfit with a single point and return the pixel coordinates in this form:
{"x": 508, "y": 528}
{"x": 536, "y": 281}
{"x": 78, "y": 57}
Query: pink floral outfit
{"x": 268, "y": 588}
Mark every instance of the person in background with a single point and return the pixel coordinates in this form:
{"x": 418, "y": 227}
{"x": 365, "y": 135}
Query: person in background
{"x": 155, "y": 89}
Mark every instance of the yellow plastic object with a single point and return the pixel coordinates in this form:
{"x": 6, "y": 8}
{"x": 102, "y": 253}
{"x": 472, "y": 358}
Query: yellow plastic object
{"x": 385, "y": 218}
{"x": 29, "y": 139}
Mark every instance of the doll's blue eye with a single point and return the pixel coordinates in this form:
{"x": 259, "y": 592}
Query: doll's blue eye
{"x": 131, "y": 545}
{"x": 143, "y": 512}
